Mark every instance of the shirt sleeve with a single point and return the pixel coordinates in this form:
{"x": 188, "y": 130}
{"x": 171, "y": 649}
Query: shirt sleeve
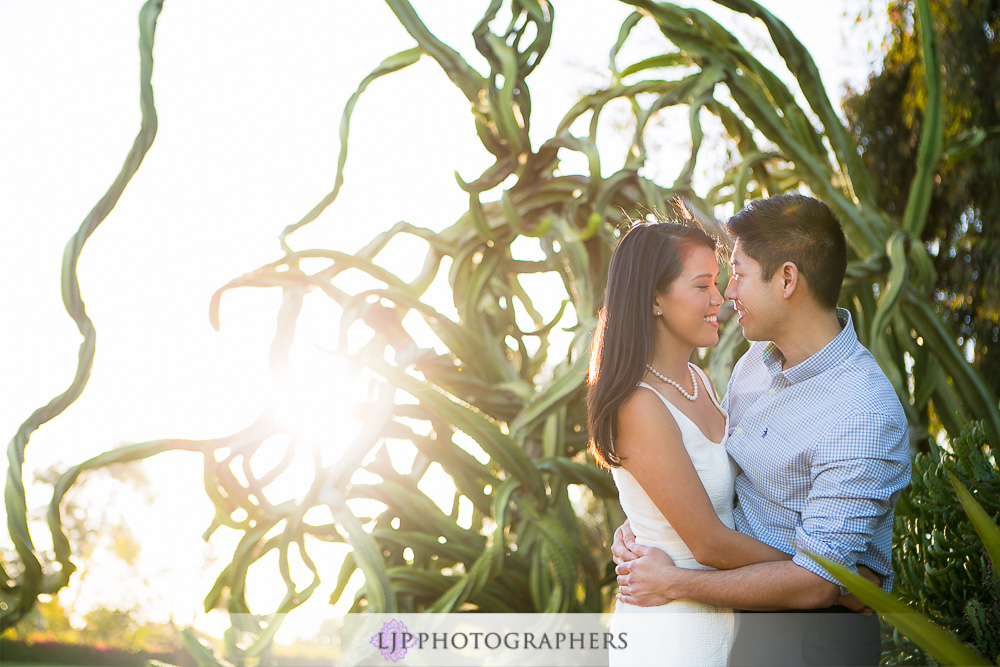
{"x": 857, "y": 474}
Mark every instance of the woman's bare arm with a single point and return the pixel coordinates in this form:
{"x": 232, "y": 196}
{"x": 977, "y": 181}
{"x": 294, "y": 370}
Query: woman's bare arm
{"x": 650, "y": 444}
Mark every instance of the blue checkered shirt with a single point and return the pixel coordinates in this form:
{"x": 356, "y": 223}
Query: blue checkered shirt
{"x": 823, "y": 453}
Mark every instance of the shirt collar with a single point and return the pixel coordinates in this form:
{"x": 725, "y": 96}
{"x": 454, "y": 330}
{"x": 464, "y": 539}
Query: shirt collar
{"x": 834, "y": 353}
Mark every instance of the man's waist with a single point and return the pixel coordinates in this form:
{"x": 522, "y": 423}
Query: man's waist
{"x": 835, "y": 609}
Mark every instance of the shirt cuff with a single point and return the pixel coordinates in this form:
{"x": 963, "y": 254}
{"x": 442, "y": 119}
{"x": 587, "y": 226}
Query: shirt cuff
{"x": 808, "y": 563}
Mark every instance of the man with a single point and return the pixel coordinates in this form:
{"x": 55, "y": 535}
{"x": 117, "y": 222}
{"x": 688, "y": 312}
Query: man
{"x": 821, "y": 444}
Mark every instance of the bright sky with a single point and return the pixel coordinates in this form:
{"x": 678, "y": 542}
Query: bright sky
{"x": 249, "y": 96}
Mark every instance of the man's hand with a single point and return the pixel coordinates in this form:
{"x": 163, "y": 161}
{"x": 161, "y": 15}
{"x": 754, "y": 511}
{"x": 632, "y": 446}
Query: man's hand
{"x": 643, "y": 580}
{"x": 621, "y": 550}
{"x": 851, "y": 601}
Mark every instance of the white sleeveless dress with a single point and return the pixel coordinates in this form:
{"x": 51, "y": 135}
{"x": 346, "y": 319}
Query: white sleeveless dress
{"x": 683, "y": 632}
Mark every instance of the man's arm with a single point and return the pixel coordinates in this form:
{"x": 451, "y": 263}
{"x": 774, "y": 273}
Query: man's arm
{"x": 858, "y": 471}
{"x": 643, "y": 589}
{"x": 653, "y": 579}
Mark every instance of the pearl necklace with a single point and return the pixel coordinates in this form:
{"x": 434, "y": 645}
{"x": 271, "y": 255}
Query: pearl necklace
{"x": 694, "y": 381}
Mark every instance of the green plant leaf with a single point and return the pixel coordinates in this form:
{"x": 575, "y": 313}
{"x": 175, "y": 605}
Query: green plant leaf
{"x": 985, "y": 526}
{"x": 928, "y": 635}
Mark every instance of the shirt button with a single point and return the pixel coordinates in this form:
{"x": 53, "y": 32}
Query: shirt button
{"x": 739, "y": 431}
{"x": 771, "y": 392}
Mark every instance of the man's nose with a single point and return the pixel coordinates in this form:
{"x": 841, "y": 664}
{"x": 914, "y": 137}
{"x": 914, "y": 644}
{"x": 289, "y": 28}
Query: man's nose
{"x": 730, "y": 292}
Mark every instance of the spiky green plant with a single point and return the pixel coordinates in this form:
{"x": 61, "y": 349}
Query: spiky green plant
{"x": 942, "y": 568}
{"x": 496, "y": 384}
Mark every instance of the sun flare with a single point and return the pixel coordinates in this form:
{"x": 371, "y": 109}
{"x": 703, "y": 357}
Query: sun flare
{"x": 322, "y": 403}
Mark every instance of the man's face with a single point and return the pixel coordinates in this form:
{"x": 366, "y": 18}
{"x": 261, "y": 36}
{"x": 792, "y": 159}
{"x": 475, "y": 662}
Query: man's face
{"x": 755, "y": 301}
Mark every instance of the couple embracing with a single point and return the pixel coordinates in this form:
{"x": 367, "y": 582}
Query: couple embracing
{"x": 806, "y": 453}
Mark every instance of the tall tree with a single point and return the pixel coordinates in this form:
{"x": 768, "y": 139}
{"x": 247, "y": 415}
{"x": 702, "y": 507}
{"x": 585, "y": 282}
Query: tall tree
{"x": 962, "y": 232}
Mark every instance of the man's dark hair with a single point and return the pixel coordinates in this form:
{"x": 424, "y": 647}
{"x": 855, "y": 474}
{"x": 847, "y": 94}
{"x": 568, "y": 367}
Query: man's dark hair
{"x": 798, "y": 229}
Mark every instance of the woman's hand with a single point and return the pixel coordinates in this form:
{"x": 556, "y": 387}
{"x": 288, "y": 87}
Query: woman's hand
{"x": 620, "y": 550}
{"x": 643, "y": 580}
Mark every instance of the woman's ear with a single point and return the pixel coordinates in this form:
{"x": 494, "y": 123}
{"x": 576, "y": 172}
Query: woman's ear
{"x": 657, "y": 305}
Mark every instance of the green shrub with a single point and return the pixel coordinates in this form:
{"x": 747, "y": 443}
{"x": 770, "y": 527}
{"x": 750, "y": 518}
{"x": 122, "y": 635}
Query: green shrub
{"x": 941, "y": 567}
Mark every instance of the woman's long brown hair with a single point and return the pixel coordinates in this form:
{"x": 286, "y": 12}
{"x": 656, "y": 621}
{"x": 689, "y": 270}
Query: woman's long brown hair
{"x": 647, "y": 260}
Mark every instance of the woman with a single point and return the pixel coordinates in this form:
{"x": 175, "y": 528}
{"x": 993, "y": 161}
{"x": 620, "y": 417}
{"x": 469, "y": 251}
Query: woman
{"x": 655, "y": 422}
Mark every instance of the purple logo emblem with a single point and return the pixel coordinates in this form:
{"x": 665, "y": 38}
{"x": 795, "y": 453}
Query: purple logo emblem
{"x": 393, "y": 640}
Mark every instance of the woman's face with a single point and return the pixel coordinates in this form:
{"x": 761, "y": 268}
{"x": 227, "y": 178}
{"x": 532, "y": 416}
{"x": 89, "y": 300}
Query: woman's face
{"x": 691, "y": 305}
